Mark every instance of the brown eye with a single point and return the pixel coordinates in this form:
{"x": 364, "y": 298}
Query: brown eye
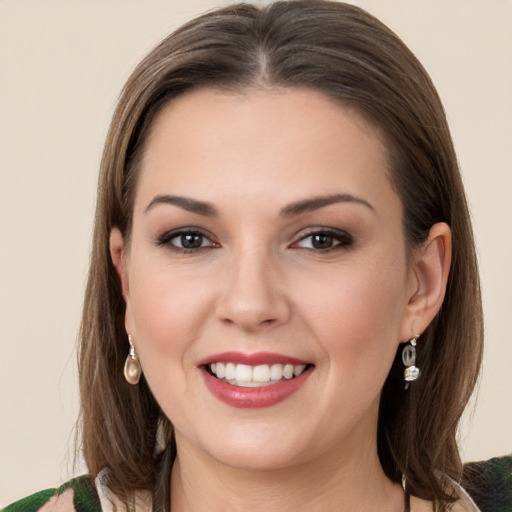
{"x": 322, "y": 241}
{"x": 185, "y": 241}
{"x": 325, "y": 240}
{"x": 191, "y": 241}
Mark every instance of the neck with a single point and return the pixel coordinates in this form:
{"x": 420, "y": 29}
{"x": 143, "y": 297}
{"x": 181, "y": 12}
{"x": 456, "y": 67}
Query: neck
{"x": 339, "y": 481}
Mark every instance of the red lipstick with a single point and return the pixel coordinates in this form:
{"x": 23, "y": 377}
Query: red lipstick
{"x": 251, "y": 359}
{"x": 253, "y": 397}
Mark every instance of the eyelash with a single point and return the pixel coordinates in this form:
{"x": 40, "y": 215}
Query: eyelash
{"x": 342, "y": 238}
{"x": 167, "y": 238}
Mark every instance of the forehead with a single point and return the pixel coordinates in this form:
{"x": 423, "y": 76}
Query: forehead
{"x": 207, "y": 142}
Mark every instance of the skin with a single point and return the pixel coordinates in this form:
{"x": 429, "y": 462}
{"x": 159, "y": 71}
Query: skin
{"x": 258, "y": 283}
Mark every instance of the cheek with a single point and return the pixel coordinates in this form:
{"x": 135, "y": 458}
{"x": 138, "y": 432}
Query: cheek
{"x": 163, "y": 299}
{"x": 165, "y": 316}
{"x": 357, "y": 316}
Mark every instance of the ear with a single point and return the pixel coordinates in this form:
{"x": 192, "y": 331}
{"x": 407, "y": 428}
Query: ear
{"x": 429, "y": 271}
{"x": 118, "y": 256}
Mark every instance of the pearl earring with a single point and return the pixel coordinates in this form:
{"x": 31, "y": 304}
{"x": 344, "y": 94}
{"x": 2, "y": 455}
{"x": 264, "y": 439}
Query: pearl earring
{"x": 132, "y": 370}
{"x": 411, "y": 372}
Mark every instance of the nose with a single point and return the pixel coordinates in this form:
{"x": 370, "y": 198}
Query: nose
{"x": 253, "y": 293}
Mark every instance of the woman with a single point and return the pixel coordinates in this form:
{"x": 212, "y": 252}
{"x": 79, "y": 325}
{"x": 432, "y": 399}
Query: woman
{"x": 282, "y": 247}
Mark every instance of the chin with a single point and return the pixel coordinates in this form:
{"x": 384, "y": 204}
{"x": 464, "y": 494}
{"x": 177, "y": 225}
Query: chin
{"x": 248, "y": 446}
{"x": 246, "y": 458}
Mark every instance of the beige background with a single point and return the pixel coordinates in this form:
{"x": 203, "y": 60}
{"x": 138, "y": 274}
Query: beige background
{"x": 62, "y": 64}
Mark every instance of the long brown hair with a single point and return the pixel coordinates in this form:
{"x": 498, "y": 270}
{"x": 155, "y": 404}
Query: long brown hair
{"x": 353, "y": 58}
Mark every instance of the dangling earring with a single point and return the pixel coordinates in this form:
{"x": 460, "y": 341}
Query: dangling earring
{"x": 132, "y": 369}
{"x": 409, "y": 359}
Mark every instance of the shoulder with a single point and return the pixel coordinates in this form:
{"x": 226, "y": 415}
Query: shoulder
{"x": 486, "y": 486}
{"x": 79, "y": 495}
{"x": 489, "y": 483}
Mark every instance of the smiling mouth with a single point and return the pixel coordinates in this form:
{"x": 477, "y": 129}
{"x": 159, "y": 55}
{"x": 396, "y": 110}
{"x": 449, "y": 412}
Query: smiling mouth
{"x": 262, "y": 375}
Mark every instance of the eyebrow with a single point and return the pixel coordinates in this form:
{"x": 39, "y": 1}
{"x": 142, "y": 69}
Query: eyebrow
{"x": 315, "y": 203}
{"x": 297, "y": 208}
{"x": 190, "y": 205}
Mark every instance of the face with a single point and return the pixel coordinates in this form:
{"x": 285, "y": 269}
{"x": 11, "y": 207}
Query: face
{"x": 266, "y": 279}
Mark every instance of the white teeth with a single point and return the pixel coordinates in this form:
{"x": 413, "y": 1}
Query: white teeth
{"x": 253, "y": 376}
{"x": 288, "y": 371}
{"x": 219, "y": 370}
{"x": 243, "y": 373}
{"x": 276, "y": 372}
{"x": 299, "y": 369}
{"x": 230, "y": 371}
{"x": 245, "y": 384}
{"x": 261, "y": 373}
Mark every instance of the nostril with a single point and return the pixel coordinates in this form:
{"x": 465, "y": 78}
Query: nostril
{"x": 249, "y": 321}
{"x": 252, "y": 304}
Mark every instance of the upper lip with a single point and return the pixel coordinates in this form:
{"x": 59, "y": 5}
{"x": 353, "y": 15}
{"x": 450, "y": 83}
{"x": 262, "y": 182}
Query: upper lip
{"x": 258, "y": 358}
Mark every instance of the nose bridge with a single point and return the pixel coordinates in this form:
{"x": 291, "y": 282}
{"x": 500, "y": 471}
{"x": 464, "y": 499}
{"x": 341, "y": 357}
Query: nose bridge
{"x": 253, "y": 296}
